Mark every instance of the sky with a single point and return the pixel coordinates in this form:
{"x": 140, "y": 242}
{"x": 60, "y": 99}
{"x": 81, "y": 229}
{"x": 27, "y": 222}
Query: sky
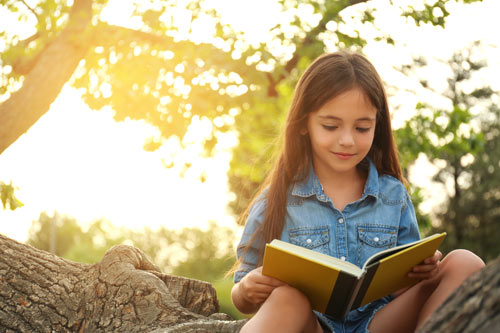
{"x": 85, "y": 165}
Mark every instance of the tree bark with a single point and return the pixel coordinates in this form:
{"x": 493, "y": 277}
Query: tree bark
{"x": 473, "y": 307}
{"x": 47, "y": 75}
{"x": 40, "y": 292}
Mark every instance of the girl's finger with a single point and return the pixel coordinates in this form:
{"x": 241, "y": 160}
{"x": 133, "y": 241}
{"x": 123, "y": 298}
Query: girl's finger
{"x": 423, "y": 268}
{"x": 435, "y": 258}
{"x": 421, "y": 275}
{"x": 263, "y": 279}
{"x": 264, "y": 288}
{"x": 272, "y": 281}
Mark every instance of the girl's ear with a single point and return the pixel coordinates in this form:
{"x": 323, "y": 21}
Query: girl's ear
{"x": 303, "y": 131}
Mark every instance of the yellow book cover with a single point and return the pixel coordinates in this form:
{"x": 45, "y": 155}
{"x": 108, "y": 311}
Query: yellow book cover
{"x": 336, "y": 287}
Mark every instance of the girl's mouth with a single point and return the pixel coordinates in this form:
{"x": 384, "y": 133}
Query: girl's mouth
{"x": 343, "y": 156}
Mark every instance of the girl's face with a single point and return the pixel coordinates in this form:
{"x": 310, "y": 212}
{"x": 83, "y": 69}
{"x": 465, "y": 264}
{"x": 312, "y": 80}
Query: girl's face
{"x": 341, "y": 133}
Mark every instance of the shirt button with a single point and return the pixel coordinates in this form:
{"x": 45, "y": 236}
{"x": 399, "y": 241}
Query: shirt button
{"x": 342, "y": 258}
{"x": 341, "y": 220}
{"x": 376, "y": 239}
{"x": 309, "y": 241}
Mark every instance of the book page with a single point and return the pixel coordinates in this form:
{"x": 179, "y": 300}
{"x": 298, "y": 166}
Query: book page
{"x": 318, "y": 257}
{"x": 392, "y": 272}
{"x": 383, "y": 254}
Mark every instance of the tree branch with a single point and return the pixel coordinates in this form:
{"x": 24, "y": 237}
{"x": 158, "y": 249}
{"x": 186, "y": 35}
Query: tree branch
{"x": 31, "y": 10}
{"x": 308, "y": 40}
{"x": 23, "y": 65}
{"x": 108, "y": 35}
{"x": 46, "y": 76}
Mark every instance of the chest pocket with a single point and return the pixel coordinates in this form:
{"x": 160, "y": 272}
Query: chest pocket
{"x": 373, "y": 238}
{"x": 314, "y": 238}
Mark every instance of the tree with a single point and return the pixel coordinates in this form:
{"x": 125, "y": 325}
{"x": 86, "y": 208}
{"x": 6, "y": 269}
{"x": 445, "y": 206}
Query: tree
{"x": 464, "y": 140}
{"x": 481, "y": 199}
{"x": 168, "y": 78}
{"x": 259, "y": 124}
{"x": 64, "y": 237}
{"x": 163, "y": 74}
{"x": 189, "y": 252}
{"x": 123, "y": 292}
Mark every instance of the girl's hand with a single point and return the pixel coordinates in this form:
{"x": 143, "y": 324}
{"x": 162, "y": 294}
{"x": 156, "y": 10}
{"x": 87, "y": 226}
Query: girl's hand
{"x": 428, "y": 269}
{"x": 255, "y": 287}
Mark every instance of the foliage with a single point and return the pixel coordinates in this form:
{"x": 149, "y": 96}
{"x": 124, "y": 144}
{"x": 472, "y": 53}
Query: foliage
{"x": 195, "y": 253}
{"x": 259, "y": 124}
{"x": 190, "y": 252}
{"x": 479, "y": 205}
{"x": 165, "y": 73}
{"x": 463, "y": 141}
{"x": 8, "y": 197}
{"x": 63, "y": 236}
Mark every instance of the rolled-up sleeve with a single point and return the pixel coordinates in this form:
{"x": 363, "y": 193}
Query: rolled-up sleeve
{"x": 250, "y": 258}
{"x": 408, "y": 226}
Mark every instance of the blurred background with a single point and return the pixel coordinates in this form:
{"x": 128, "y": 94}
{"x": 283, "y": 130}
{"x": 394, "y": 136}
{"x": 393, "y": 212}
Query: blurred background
{"x": 152, "y": 123}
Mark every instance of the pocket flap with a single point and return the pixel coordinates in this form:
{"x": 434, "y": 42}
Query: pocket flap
{"x": 310, "y": 237}
{"x": 377, "y": 235}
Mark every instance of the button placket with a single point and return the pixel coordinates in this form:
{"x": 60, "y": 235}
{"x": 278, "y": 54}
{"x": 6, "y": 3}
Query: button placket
{"x": 341, "y": 236}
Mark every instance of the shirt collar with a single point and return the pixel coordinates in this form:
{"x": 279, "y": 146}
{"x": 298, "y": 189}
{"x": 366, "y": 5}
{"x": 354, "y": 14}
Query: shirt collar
{"x": 311, "y": 186}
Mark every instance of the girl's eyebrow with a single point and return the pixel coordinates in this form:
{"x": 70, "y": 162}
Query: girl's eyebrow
{"x": 329, "y": 117}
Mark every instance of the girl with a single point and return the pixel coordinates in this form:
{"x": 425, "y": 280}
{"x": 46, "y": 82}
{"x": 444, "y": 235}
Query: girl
{"x": 338, "y": 173}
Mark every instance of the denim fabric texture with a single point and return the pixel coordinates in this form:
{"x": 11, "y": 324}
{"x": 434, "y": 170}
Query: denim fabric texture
{"x": 383, "y": 217}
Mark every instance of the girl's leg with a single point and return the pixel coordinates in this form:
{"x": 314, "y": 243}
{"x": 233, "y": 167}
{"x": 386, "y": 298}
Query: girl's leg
{"x": 412, "y": 308}
{"x": 285, "y": 310}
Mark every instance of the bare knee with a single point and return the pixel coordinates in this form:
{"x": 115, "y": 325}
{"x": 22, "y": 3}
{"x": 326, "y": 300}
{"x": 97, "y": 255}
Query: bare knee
{"x": 463, "y": 261}
{"x": 457, "y": 266}
{"x": 290, "y": 299}
{"x": 285, "y": 310}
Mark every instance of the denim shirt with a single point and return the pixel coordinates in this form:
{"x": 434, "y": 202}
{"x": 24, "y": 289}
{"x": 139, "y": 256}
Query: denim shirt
{"x": 383, "y": 217}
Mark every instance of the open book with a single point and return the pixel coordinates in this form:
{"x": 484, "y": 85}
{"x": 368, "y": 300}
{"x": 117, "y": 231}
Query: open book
{"x": 335, "y": 287}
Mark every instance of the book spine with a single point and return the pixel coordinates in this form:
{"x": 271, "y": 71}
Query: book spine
{"x": 340, "y": 298}
{"x": 370, "y": 273}
{"x": 355, "y": 292}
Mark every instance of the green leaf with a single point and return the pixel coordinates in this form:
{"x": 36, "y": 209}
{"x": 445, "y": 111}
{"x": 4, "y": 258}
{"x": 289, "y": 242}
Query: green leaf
{"x": 8, "y": 198}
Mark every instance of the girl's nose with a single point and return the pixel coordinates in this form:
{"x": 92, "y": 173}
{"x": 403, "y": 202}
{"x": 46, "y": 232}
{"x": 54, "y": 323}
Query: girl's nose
{"x": 346, "y": 138}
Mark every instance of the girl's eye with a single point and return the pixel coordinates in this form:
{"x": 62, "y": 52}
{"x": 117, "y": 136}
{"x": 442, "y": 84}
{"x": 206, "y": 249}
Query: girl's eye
{"x": 362, "y": 129}
{"x": 329, "y": 127}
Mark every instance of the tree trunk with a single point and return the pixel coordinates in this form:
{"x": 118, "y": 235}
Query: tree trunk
{"x": 473, "y": 307}
{"x": 40, "y": 292}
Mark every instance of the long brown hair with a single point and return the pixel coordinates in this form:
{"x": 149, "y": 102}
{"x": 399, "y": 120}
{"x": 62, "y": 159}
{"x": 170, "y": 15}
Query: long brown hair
{"x": 328, "y": 76}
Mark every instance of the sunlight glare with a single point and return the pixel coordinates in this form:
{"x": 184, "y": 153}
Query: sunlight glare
{"x": 84, "y": 164}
